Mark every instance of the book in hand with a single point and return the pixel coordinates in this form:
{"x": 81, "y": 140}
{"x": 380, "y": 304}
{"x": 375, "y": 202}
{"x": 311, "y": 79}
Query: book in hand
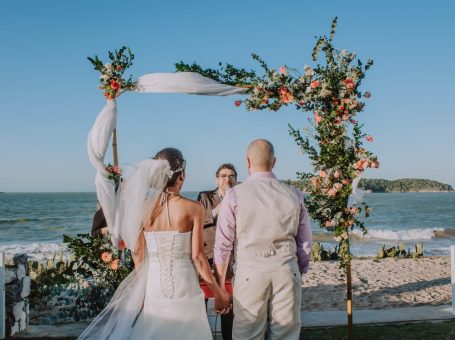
{"x": 208, "y": 293}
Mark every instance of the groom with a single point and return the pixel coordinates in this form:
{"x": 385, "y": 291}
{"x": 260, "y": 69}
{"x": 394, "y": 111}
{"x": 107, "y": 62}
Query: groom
{"x": 266, "y": 223}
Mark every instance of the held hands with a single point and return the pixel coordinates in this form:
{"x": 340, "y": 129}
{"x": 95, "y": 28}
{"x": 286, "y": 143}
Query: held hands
{"x": 223, "y": 302}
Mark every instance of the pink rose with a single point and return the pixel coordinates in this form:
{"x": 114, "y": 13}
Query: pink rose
{"x": 337, "y": 174}
{"x": 238, "y": 103}
{"x": 317, "y": 117}
{"x": 328, "y": 224}
{"x": 348, "y": 83}
{"x": 369, "y": 138}
{"x": 118, "y": 67}
{"x": 314, "y": 84}
{"x": 332, "y": 192}
{"x": 374, "y": 165}
{"x": 322, "y": 173}
{"x": 346, "y": 181}
{"x": 282, "y": 70}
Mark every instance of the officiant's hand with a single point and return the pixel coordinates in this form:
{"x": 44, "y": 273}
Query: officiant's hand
{"x": 223, "y": 302}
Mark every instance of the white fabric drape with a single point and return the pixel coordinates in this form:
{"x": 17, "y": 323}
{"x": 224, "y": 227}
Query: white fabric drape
{"x": 142, "y": 183}
{"x": 185, "y": 82}
{"x": 357, "y": 194}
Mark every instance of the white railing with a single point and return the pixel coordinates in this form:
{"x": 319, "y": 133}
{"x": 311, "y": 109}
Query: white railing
{"x": 2, "y": 295}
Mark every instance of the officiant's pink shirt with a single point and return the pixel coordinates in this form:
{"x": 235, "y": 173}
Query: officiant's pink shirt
{"x": 226, "y": 225}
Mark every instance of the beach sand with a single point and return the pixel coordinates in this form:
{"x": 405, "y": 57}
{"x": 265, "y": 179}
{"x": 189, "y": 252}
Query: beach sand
{"x": 378, "y": 284}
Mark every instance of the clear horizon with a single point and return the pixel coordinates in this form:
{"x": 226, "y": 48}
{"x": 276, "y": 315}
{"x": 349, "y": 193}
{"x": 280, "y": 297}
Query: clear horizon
{"x": 50, "y": 96}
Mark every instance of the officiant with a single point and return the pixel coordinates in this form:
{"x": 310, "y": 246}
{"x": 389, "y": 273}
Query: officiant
{"x": 225, "y": 178}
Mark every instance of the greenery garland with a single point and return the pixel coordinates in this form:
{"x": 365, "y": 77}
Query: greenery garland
{"x": 333, "y": 140}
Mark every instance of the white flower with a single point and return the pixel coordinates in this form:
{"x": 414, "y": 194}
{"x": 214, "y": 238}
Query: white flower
{"x": 108, "y": 66}
{"x": 308, "y": 71}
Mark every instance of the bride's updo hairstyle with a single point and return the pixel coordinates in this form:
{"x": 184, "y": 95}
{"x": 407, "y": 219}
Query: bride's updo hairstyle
{"x": 176, "y": 161}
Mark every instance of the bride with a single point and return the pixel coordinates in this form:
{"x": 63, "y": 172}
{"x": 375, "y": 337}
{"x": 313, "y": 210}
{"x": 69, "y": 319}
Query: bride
{"x": 161, "y": 298}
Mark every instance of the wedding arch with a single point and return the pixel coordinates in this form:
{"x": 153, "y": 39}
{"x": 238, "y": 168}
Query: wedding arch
{"x": 333, "y": 138}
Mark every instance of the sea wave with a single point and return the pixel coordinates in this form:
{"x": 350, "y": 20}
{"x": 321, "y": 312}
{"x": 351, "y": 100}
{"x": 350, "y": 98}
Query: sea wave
{"x": 417, "y": 234}
{"x": 36, "y": 251}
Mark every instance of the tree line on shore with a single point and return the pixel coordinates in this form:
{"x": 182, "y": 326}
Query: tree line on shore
{"x": 384, "y": 185}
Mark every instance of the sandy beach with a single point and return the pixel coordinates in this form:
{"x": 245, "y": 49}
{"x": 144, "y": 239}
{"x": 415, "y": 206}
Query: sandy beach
{"x": 378, "y": 284}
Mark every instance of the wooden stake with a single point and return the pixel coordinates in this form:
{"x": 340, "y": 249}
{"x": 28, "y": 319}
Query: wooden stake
{"x": 349, "y": 297}
{"x": 114, "y": 146}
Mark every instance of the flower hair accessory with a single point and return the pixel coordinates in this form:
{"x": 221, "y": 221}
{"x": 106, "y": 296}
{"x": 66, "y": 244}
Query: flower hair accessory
{"x": 171, "y": 173}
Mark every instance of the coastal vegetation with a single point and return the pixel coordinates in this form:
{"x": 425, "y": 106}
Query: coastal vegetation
{"x": 384, "y": 185}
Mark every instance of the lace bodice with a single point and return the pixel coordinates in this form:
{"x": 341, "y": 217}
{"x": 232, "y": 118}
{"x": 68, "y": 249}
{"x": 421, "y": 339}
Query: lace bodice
{"x": 168, "y": 247}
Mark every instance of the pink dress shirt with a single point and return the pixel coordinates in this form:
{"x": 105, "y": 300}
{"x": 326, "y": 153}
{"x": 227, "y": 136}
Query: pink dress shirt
{"x": 226, "y": 225}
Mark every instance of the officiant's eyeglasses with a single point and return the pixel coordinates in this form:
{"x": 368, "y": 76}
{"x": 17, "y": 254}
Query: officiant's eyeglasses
{"x": 227, "y": 176}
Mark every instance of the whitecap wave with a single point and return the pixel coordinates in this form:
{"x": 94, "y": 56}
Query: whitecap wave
{"x": 36, "y": 251}
{"x": 399, "y": 235}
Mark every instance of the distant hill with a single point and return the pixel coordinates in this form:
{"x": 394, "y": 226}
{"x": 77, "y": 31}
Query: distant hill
{"x": 384, "y": 185}
{"x": 404, "y": 185}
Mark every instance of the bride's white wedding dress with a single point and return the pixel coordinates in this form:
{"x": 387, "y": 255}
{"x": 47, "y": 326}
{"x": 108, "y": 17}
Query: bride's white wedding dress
{"x": 174, "y": 305}
{"x": 167, "y": 288}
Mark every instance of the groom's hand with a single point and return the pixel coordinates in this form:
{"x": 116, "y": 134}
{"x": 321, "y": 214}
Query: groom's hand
{"x": 223, "y": 302}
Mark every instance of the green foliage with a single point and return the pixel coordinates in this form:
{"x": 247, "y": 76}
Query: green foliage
{"x": 334, "y": 139}
{"x": 81, "y": 287}
{"x": 400, "y": 251}
{"x": 318, "y": 253}
{"x": 112, "y": 81}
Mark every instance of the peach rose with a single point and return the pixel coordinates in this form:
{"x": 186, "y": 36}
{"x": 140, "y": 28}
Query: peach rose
{"x": 317, "y": 117}
{"x": 331, "y": 192}
{"x": 337, "y": 174}
{"x": 346, "y": 181}
{"x": 322, "y": 173}
{"x": 361, "y": 165}
{"x": 314, "y": 84}
{"x": 369, "y": 138}
{"x": 328, "y": 224}
{"x": 106, "y": 256}
{"x": 115, "y": 264}
{"x": 282, "y": 70}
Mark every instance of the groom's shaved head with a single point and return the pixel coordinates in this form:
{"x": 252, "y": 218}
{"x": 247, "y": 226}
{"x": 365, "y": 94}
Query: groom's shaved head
{"x": 261, "y": 154}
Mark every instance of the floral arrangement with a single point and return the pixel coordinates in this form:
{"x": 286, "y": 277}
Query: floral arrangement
{"x": 333, "y": 140}
{"x": 114, "y": 172}
{"x": 111, "y": 80}
{"x": 81, "y": 287}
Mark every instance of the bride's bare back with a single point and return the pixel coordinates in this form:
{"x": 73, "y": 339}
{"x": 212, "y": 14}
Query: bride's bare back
{"x": 174, "y": 213}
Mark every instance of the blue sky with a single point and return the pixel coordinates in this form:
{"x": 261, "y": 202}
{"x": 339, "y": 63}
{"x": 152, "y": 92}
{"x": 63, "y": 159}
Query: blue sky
{"x": 49, "y": 95}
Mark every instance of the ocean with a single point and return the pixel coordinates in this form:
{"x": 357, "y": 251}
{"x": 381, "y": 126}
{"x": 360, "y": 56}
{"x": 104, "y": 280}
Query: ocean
{"x": 34, "y": 223}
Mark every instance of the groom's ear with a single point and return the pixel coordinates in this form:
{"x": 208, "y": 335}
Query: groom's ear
{"x": 248, "y": 163}
{"x": 274, "y": 161}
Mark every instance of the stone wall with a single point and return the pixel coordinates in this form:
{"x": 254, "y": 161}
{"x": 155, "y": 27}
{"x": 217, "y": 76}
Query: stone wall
{"x": 17, "y": 290}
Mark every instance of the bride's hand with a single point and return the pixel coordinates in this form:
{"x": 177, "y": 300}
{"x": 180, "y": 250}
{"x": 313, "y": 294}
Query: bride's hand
{"x": 223, "y": 302}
